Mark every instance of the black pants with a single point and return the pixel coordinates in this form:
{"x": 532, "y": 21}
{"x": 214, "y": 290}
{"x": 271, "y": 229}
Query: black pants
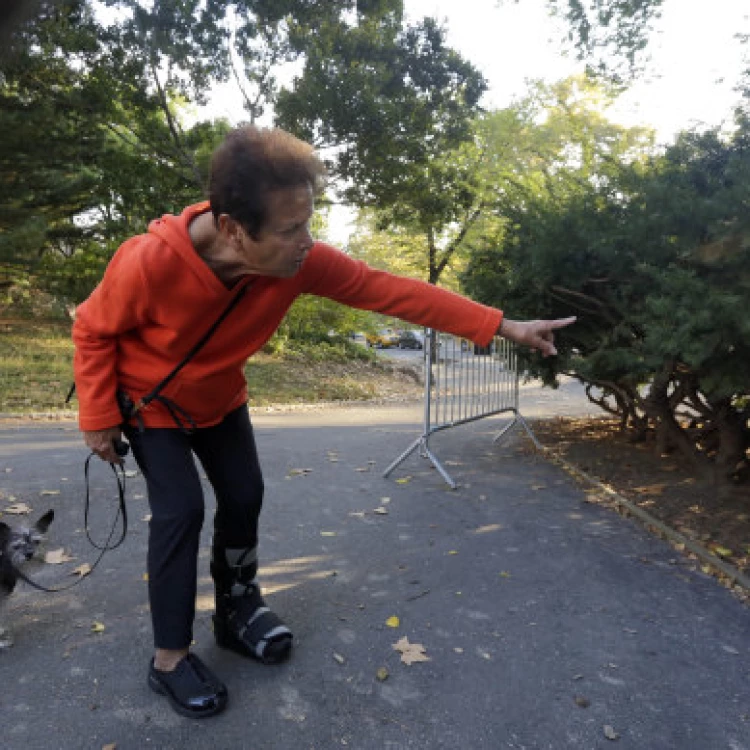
{"x": 229, "y": 457}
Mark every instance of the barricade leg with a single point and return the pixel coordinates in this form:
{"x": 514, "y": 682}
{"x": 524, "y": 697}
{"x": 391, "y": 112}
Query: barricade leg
{"x": 518, "y": 419}
{"x": 425, "y": 452}
{"x": 419, "y": 441}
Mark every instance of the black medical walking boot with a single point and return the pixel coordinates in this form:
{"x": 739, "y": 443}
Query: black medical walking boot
{"x": 242, "y": 621}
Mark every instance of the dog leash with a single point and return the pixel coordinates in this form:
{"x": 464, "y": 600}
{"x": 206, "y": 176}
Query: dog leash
{"x": 122, "y": 448}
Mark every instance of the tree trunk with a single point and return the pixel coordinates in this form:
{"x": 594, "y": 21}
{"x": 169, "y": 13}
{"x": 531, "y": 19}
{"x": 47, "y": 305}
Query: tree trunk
{"x": 731, "y": 459}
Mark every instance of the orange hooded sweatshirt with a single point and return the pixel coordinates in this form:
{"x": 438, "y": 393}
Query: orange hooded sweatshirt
{"x": 158, "y": 297}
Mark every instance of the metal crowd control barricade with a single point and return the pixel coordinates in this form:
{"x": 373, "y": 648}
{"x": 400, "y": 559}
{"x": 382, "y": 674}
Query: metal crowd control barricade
{"x": 463, "y": 383}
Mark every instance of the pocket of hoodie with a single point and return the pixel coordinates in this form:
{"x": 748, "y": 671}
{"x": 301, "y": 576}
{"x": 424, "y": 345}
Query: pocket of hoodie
{"x": 208, "y": 399}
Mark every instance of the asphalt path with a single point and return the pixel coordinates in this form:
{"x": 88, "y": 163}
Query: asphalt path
{"x": 548, "y": 622}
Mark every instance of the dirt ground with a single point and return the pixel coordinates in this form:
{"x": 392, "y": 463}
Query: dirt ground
{"x": 663, "y": 486}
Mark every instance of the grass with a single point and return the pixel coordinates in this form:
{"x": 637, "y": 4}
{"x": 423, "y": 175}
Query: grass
{"x": 36, "y": 372}
{"x": 36, "y": 366}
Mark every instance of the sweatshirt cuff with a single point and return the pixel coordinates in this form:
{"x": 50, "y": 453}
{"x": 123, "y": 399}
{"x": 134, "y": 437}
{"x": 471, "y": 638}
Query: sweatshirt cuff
{"x": 489, "y": 327}
{"x": 102, "y": 421}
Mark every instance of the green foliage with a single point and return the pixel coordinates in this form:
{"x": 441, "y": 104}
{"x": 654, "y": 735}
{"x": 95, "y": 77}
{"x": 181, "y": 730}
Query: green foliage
{"x": 92, "y": 148}
{"x": 654, "y": 258}
{"x": 93, "y": 112}
{"x": 311, "y": 320}
{"x": 391, "y": 99}
{"x": 392, "y": 102}
{"x": 612, "y": 35}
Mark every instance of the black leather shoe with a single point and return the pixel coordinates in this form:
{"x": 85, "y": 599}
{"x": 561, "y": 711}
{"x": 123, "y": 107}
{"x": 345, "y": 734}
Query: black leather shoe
{"x": 191, "y": 688}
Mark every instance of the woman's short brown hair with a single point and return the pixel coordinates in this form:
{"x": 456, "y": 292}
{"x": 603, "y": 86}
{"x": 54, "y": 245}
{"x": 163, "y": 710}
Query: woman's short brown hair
{"x": 253, "y": 162}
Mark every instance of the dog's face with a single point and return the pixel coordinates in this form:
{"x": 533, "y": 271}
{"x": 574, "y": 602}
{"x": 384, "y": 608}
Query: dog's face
{"x": 19, "y": 545}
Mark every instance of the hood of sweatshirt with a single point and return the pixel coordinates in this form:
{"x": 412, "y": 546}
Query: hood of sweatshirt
{"x": 173, "y": 230}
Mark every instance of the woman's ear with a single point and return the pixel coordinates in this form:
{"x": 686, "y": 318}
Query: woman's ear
{"x": 229, "y": 227}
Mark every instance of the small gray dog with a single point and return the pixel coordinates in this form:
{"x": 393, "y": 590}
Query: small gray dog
{"x": 17, "y": 546}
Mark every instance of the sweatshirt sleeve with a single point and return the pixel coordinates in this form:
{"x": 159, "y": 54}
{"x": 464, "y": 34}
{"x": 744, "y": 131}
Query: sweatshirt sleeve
{"x": 118, "y": 304}
{"x": 331, "y": 273}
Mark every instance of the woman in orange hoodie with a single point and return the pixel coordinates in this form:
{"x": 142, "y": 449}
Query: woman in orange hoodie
{"x": 160, "y": 292}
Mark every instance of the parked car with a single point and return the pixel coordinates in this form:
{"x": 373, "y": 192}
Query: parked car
{"x": 385, "y": 338}
{"x": 411, "y": 340}
{"x": 359, "y": 338}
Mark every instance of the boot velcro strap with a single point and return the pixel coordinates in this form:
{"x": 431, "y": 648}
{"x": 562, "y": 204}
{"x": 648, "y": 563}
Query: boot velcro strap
{"x": 263, "y": 628}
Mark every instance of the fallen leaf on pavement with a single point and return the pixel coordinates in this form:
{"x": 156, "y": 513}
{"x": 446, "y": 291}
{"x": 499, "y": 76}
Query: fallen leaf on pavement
{"x": 381, "y": 511}
{"x": 97, "y": 627}
{"x": 403, "y": 480}
{"x": 19, "y": 509}
{"x": 610, "y": 733}
{"x": 487, "y": 528}
{"x": 328, "y": 533}
{"x": 393, "y": 622}
{"x": 298, "y": 472}
{"x": 722, "y": 551}
{"x": 410, "y": 652}
{"x": 382, "y": 674}
{"x": 81, "y": 570}
{"x": 651, "y": 489}
{"x": 57, "y": 556}
{"x": 49, "y": 492}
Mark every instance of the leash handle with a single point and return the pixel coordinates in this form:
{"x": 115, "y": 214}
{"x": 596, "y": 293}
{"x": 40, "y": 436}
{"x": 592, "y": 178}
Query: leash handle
{"x": 121, "y": 448}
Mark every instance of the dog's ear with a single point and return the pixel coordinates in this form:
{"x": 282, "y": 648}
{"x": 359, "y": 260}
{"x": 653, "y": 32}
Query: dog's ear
{"x": 43, "y": 523}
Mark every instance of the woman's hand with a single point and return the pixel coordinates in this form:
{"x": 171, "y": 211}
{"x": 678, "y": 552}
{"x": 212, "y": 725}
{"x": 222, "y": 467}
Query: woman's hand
{"x": 536, "y": 334}
{"x": 102, "y": 442}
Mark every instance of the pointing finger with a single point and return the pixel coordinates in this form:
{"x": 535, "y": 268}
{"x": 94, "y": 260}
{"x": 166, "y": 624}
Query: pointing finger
{"x": 560, "y": 322}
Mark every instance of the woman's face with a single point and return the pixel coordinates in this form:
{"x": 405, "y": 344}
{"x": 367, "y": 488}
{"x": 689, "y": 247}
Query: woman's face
{"x": 284, "y": 241}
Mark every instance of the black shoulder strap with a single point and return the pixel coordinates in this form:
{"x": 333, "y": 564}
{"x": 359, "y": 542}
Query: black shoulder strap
{"x": 148, "y": 398}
